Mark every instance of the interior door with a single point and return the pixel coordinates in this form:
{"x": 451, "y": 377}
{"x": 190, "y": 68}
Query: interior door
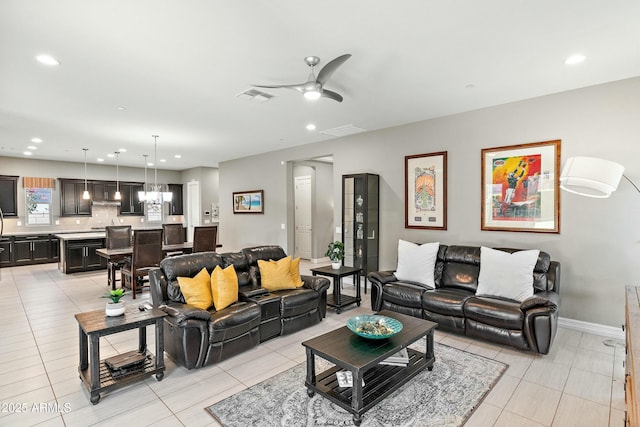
{"x": 303, "y": 218}
{"x": 193, "y": 207}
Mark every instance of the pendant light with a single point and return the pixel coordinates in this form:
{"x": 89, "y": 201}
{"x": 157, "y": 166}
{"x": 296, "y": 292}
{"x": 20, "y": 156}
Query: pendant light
{"x": 117, "y": 196}
{"x": 142, "y": 195}
{"x": 85, "y": 193}
{"x": 159, "y": 195}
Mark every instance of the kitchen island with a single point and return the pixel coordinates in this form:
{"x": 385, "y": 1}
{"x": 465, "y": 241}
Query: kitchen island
{"x": 78, "y": 251}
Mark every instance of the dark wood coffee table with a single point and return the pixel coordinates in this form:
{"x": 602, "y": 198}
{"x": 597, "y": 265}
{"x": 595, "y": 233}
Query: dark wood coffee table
{"x": 362, "y": 358}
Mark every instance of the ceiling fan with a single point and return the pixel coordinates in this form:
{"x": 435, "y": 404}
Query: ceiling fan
{"x": 313, "y": 88}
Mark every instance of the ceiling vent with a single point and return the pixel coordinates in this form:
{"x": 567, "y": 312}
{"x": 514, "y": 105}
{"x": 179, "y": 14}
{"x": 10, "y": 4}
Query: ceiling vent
{"x": 343, "y": 130}
{"x": 255, "y": 95}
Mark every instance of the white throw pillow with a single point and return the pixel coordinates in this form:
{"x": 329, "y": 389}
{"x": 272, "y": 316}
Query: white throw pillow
{"x": 416, "y": 263}
{"x": 506, "y": 275}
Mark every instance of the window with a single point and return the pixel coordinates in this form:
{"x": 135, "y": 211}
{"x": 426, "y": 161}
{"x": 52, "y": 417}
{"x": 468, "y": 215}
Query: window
{"x": 38, "y": 206}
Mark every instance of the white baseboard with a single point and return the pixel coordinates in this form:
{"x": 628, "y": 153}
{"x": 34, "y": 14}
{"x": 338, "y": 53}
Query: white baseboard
{"x": 323, "y": 260}
{"x": 591, "y": 328}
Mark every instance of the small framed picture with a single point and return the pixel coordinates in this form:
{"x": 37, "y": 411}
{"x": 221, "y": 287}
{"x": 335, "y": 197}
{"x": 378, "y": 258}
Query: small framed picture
{"x": 520, "y": 188}
{"x": 425, "y": 191}
{"x": 248, "y": 202}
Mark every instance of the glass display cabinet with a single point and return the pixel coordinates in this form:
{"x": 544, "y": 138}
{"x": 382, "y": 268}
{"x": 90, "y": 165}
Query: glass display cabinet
{"x": 360, "y": 221}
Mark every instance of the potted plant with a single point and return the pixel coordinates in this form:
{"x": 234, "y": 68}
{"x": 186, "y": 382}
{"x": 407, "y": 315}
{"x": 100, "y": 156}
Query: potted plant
{"x": 115, "y": 307}
{"x": 335, "y": 252}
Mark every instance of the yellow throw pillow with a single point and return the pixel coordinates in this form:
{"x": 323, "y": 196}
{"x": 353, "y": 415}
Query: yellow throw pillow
{"x": 224, "y": 287}
{"x": 276, "y": 275}
{"x": 196, "y": 290}
{"x": 295, "y": 273}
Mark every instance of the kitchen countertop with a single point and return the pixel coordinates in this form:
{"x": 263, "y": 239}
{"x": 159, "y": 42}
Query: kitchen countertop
{"x": 81, "y": 236}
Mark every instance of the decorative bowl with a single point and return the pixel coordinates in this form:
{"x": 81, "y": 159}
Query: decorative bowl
{"x": 373, "y": 326}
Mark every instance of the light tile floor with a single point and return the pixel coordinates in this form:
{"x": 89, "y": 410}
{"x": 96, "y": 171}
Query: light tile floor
{"x": 580, "y": 383}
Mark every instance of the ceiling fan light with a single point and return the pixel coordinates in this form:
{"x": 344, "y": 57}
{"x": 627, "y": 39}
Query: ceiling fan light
{"x": 312, "y": 94}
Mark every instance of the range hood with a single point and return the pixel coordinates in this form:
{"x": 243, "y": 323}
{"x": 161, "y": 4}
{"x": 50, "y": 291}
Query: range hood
{"x": 105, "y": 203}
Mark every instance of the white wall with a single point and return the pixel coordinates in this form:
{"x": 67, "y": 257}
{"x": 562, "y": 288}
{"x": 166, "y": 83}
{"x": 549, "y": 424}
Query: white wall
{"x": 208, "y": 179}
{"x": 599, "y": 240}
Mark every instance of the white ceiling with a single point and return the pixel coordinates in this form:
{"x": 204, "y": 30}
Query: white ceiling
{"x": 177, "y": 67}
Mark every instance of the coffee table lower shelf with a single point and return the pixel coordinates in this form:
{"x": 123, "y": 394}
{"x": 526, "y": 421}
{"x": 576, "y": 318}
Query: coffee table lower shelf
{"x": 379, "y": 382}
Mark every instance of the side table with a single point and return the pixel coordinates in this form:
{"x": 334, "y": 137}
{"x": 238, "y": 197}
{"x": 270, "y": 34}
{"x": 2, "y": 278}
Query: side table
{"x": 337, "y": 300}
{"x": 95, "y": 374}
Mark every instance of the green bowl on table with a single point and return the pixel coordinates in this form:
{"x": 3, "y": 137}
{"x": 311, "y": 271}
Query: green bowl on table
{"x": 374, "y": 326}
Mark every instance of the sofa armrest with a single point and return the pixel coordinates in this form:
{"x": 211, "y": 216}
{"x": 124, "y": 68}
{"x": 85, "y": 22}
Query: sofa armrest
{"x": 184, "y": 312}
{"x": 382, "y": 277}
{"x": 317, "y": 283}
{"x": 541, "y": 299}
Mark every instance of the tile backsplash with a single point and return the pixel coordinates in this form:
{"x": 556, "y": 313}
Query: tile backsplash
{"x": 102, "y": 216}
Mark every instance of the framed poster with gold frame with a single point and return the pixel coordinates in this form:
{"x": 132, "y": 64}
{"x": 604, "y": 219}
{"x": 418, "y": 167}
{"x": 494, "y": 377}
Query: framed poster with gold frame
{"x": 425, "y": 191}
{"x": 520, "y": 188}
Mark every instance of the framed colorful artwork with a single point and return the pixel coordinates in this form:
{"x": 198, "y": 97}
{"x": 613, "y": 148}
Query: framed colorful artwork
{"x": 248, "y": 202}
{"x": 425, "y": 191}
{"x": 520, "y": 188}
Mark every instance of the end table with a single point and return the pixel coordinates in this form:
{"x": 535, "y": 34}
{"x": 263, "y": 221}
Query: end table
{"x": 337, "y": 300}
{"x": 95, "y": 374}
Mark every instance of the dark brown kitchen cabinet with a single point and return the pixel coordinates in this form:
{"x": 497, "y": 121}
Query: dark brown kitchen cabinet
{"x": 104, "y": 191}
{"x": 6, "y": 255}
{"x": 175, "y": 206}
{"x": 130, "y": 203}
{"x": 29, "y": 249}
{"x": 80, "y": 255}
{"x": 71, "y": 201}
{"x": 9, "y": 195}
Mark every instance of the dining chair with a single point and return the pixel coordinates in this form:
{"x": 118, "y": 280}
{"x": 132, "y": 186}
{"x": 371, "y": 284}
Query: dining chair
{"x": 118, "y": 237}
{"x": 205, "y": 238}
{"x": 146, "y": 254}
{"x": 173, "y": 234}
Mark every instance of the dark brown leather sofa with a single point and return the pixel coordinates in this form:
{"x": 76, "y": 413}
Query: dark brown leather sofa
{"x": 528, "y": 325}
{"x": 194, "y": 338}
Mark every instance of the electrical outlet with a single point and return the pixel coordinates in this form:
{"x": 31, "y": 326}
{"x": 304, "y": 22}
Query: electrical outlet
{"x": 282, "y": 226}
{"x": 19, "y": 223}
{"x": 57, "y": 222}
{"x": 121, "y": 220}
{"x": 78, "y": 221}
{"x": 141, "y": 219}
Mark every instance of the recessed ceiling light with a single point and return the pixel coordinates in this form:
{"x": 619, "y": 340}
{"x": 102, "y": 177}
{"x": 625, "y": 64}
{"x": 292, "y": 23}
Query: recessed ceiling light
{"x": 470, "y": 86}
{"x": 47, "y": 60}
{"x": 100, "y": 159}
{"x": 122, "y": 150}
{"x": 149, "y": 164}
{"x": 111, "y": 155}
{"x": 36, "y": 140}
{"x": 27, "y": 153}
{"x": 32, "y": 147}
{"x": 163, "y": 161}
{"x": 575, "y": 59}
{"x": 311, "y": 126}
{"x": 178, "y": 156}
{"x": 121, "y": 107}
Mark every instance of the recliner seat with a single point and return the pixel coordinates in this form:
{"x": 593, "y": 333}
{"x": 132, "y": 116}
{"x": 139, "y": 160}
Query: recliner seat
{"x": 528, "y": 325}
{"x": 195, "y": 338}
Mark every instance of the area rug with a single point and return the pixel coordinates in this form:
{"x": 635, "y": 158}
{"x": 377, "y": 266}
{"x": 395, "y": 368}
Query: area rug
{"x": 445, "y": 396}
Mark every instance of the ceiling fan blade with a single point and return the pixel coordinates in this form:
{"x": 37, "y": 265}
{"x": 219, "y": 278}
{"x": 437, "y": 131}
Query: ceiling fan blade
{"x": 298, "y": 87}
{"x": 331, "y": 67}
{"x": 331, "y": 95}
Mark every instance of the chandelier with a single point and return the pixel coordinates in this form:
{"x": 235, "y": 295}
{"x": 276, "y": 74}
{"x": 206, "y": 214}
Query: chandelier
{"x": 154, "y": 193}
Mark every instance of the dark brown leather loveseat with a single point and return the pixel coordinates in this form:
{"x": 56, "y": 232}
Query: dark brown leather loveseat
{"x": 528, "y": 325}
{"x": 194, "y": 338}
